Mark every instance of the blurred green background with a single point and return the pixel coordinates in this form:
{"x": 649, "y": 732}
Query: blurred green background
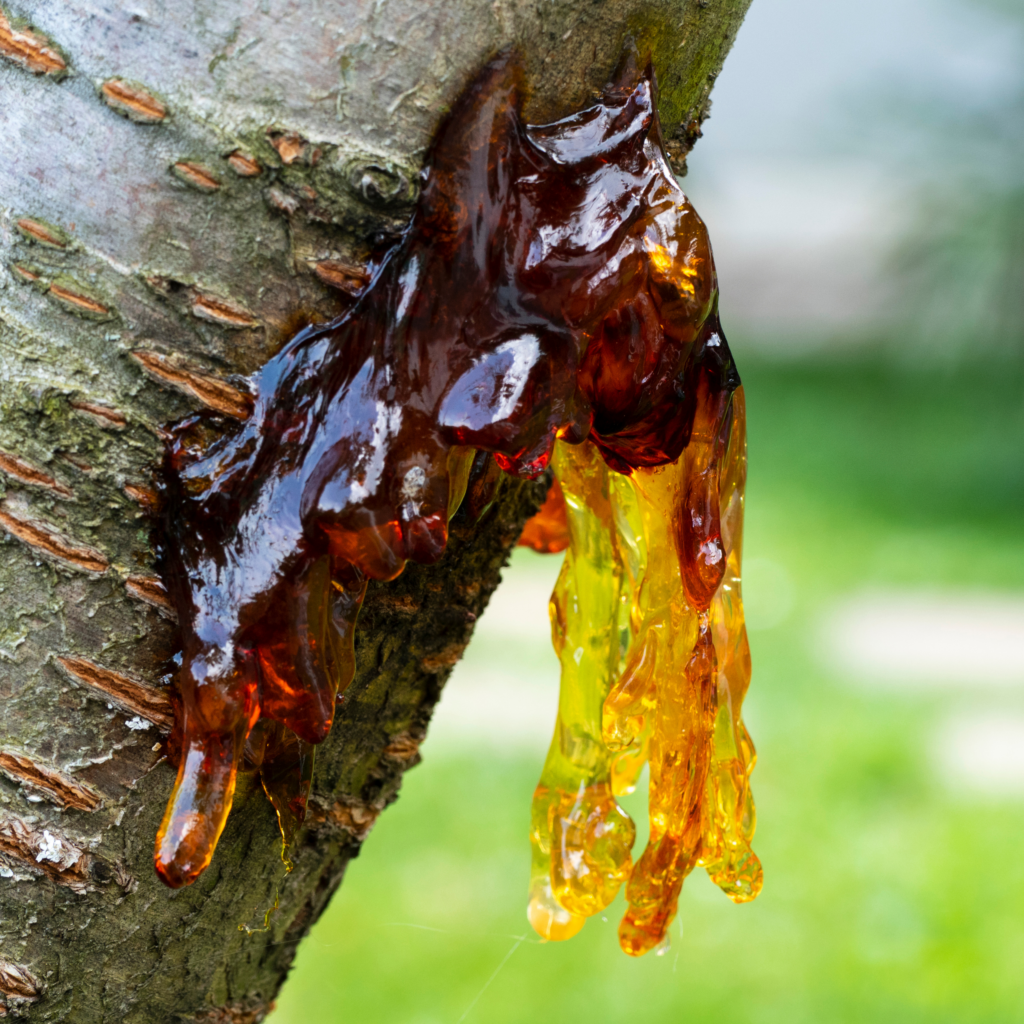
{"x": 884, "y": 583}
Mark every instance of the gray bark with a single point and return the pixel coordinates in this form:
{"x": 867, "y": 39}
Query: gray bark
{"x": 180, "y": 182}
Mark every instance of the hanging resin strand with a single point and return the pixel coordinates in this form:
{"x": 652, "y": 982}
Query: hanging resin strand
{"x": 729, "y": 817}
{"x": 671, "y": 681}
{"x": 581, "y": 839}
{"x": 659, "y": 694}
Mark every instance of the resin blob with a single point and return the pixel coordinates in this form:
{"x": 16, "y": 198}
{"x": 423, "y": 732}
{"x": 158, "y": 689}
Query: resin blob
{"x": 554, "y": 292}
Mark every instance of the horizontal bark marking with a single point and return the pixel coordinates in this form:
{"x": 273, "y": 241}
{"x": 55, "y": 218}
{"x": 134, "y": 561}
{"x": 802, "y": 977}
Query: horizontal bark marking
{"x": 42, "y": 233}
{"x": 343, "y": 276}
{"x": 150, "y": 589}
{"x": 26, "y": 473}
{"x": 235, "y": 1013}
{"x": 73, "y": 460}
{"x": 133, "y": 101}
{"x": 43, "y": 849}
{"x": 405, "y": 604}
{"x": 443, "y": 659}
{"x": 145, "y": 496}
{"x": 77, "y": 301}
{"x": 220, "y": 311}
{"x": 196, "y": 175}
{"x": 32, "y": 50}
{"x": 63, "y": 791}
{"x": 17, "y": 982}
{"x": 26, "y": 275}
{"x": 282, "y": 200}
{"x": 47, "y": 541}
{"x": 101, "y": 415}
{"x": 213, "y": 392}
{"x": 141, "y": 700}
{"x": 405, "y": 747}
{"x": 352, "y": 816}
{"x": 244, "y": 165}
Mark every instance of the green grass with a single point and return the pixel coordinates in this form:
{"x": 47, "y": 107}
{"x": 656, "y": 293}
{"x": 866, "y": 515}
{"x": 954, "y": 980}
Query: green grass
{"x": 887, "y": 898}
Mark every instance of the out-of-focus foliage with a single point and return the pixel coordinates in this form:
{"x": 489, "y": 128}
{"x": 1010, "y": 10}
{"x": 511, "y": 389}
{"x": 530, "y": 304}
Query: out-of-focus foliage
{"x": 959, "y": 274}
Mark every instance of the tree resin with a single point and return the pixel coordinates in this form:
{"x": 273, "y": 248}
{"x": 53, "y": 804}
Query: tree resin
{"x": 553, "y": 300}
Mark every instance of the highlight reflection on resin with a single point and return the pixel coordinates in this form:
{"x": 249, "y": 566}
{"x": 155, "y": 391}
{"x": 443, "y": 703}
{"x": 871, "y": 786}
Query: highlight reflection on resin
{"x": 553, "y": 300}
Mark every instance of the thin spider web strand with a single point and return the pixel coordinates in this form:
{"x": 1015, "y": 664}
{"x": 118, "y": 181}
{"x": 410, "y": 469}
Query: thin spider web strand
{"x": 487, "y": 983}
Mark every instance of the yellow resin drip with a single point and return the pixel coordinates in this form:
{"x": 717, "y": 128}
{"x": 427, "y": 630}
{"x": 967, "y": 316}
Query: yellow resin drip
{"x": 647, "y": 619}
{"x": 581, "y": 838}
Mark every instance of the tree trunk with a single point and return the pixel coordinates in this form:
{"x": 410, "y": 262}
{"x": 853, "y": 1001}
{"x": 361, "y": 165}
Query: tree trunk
{"x": 182, "y": 183}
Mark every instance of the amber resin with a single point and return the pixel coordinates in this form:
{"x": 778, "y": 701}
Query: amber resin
{"x": 553, "y": 292}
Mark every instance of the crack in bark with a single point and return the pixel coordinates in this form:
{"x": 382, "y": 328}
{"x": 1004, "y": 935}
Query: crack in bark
{"x": 78, "y": 301}
{"x": 42, "y": 233}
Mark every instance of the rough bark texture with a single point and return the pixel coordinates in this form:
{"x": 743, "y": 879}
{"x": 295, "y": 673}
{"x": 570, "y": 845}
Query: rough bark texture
{"x": 181, "y": 182}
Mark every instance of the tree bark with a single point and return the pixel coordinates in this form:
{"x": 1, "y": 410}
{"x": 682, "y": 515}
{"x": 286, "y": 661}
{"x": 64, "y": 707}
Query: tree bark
{"x": 182, "y": 183}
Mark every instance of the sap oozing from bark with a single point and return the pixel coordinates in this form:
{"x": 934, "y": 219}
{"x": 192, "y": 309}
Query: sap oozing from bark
{"x": 553, "y": 285}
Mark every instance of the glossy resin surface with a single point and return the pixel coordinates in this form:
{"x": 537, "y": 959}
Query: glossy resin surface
{"x": 554, "y": 286}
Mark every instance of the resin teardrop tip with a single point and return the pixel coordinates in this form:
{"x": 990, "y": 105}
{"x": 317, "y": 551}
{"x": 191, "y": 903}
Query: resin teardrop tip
{"x": 550, "y": 921}
{"x": 173, "y": 874}
{"x": 636, "y": 942}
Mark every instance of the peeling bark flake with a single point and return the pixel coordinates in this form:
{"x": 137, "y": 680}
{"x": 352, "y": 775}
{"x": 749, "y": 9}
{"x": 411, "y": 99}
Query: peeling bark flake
{"x": 145, "y": 496}
{"x": 235, "y": 1013}
{"x": 343, "y": 276}
{"x": 290, "y": 146}
{"x": 44, "y": 539}
{"x": 31, "y": 49}
{"x": 44, "y": 850}
{"x": 133, "y": 101}
{"x": 59, "y": 788}
{"x": 283, "y": 201}
{"x": 141, "y": 700}
{"x": 214, "y": 393}
{"x": 17, "y": 983}
{"x": 353, "y": 816}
